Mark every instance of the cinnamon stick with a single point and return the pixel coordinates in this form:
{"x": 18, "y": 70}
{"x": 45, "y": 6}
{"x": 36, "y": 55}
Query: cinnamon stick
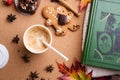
{"x": 68, "y": 6}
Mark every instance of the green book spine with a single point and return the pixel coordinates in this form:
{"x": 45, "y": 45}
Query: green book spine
{"x": 102, "y": 45}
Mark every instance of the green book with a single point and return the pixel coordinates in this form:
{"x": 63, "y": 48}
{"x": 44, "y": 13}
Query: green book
{"x": 102, "y": 44}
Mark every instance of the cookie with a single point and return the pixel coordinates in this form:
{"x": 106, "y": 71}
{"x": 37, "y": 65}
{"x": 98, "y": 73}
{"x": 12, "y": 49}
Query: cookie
{"x": 27, "y": 7}
{"x": 60, "y": 19}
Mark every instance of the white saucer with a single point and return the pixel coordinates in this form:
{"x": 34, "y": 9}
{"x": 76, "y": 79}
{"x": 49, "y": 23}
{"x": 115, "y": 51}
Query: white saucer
{"x": 4, "y": 56}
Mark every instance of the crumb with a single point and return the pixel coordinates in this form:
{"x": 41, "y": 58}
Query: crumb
{"x": 18, "y": 50}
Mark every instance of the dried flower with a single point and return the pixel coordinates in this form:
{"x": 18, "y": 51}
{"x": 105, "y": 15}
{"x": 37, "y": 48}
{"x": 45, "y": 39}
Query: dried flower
{"x": 15, "y": 39}
{"x": 11, "y": 17}
{"x": 25, "y": 57}
{"x": 33, "y": 76}
{"x": 49, "y": 68}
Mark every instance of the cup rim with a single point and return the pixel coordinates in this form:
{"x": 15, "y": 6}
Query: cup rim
{"x": 41, "y": 26}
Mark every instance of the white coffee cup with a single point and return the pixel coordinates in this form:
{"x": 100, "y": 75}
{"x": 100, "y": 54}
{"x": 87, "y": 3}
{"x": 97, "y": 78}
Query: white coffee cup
{"x": 32, "y": 38}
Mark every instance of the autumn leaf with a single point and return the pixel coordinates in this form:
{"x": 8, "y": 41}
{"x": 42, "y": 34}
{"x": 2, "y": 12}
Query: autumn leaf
{"x": 77, "y": 71}
{"x": 83, "y": 4}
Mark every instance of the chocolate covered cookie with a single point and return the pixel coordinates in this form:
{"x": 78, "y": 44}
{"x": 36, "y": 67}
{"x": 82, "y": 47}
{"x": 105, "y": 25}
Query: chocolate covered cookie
{"x": 27, "y": 7}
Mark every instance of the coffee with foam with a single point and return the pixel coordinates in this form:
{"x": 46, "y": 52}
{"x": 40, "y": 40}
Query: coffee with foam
{"x": 33, "y": 39}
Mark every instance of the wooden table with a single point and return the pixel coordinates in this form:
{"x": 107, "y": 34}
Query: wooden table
{"x": 17, "y": 69}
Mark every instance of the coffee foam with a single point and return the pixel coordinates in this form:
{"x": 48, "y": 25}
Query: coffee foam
{"x": 34, "y": 38}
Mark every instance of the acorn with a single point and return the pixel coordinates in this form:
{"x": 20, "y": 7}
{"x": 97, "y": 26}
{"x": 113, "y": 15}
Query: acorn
{"x": 7, "y": 2}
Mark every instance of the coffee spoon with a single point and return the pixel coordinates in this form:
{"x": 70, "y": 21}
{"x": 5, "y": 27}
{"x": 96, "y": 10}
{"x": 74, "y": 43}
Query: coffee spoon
{"x": 58, "y": 52}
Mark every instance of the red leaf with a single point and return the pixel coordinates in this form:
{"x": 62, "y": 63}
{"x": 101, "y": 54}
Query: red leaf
{"x": 79, "y": 66}
{"x": 77, "y": 71}
{"x": 72, "y": 69}
{"x": 63, "y": 69}
{"x": 90, "y": 74}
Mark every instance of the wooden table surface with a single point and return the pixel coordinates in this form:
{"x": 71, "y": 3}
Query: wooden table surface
{"x": 17, "y": 69}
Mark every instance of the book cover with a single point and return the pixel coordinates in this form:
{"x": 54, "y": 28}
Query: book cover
{"x": 102, "y": 45}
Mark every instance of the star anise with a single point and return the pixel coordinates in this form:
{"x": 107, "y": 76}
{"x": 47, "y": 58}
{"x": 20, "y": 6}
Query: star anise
{"x": 33, "y": 75}
{"x": 15, "y": 39}
{"x": 49, "y": 68}
{"x": 26, "y": 58}
{"x": 11, "y": 17}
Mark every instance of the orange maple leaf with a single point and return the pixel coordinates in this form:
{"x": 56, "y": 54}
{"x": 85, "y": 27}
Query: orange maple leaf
{"x": 77, "y": 71}
{"x": 83, "y": 4}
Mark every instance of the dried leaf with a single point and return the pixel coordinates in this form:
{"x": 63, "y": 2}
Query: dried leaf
{"x": 83, "y": 4}
{"x": 77, "y": 71}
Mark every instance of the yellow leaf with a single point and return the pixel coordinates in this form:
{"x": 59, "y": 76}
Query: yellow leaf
{"x": 83, "y": 4}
